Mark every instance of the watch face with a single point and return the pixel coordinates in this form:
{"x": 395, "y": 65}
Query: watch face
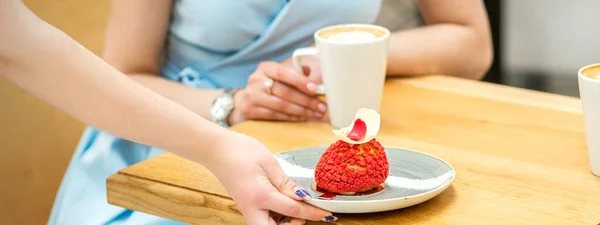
{"x": 222, "y": 107}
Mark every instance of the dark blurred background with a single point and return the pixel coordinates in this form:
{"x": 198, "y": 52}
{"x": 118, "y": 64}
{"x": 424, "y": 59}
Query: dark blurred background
{"x": 540, "y": 44}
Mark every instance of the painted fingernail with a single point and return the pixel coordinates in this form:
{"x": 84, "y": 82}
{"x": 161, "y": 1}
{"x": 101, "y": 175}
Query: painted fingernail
{"x": 311, "y": 86}
{"x": 319, "y": 115}
{"x": 302, "y": 193}
{"x": 322, "y": 107}
{"x": 282, "y": 219}
{"x": 329, "y": 219}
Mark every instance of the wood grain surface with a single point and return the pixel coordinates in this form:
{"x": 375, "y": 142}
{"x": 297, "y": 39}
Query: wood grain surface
{"x": 37, "y": 140}
{"x": 520, "y": 158}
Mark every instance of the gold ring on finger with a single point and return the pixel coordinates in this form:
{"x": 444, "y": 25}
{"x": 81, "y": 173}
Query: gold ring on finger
{"x": 269, "y": 85}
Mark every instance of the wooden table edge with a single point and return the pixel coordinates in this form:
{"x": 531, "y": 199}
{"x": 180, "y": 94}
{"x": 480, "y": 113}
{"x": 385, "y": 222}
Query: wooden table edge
{"x": 148, "y": 196}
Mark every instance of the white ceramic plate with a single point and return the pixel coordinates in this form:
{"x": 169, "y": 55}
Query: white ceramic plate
{"x": 414, "y": 178}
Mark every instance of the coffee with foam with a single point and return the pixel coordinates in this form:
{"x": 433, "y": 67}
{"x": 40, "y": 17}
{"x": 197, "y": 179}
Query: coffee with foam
{"x": 353, "y": 57}
{"x": 350, "y": 34}
{"x": 592, "y": 72}
{"x": 352, "y": 37}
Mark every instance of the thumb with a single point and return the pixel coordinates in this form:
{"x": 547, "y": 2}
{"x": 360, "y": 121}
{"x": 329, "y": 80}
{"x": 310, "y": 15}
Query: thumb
{"x": 258, "y": 217}
{"x": 283, "y": 183}
{"x": 315, "y": 76}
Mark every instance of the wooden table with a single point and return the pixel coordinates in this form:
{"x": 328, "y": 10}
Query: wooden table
{"x": 520, "y": 158}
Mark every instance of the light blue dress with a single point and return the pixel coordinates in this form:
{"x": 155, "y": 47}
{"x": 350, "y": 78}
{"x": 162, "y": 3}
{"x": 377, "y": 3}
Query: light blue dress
{"x": 211, "y": 44}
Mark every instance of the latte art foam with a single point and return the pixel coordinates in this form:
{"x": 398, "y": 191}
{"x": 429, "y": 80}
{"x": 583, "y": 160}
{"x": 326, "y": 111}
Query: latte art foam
{"x": 352, "y": 37}
{"x": 592, "y": 72}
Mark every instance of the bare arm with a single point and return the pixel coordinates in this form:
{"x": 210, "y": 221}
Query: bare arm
{"x": 456, "y": 41}
{"x": 50, "y": 65}
{"x": 135, "y": 38}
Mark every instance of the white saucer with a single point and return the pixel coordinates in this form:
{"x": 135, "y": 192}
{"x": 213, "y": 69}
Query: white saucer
{"x": 414, "y": 178}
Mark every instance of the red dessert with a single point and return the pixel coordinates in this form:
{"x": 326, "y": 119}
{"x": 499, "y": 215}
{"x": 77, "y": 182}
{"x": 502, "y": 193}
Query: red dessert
{"x": 355, "y": 163}
{"x": 345, "y": 168}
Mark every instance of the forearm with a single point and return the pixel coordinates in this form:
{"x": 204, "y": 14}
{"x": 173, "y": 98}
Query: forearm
{"x": 47, "y": 63}
{"x": 449, "y": 49}
{"x": 138, "y": 52}
{"x": 197, "y": 100}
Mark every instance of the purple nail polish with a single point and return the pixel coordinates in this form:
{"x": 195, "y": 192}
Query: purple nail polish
{"x": 306, "y": 192}
{"x": 302, "y": 193}
{"x": 330, "y": 219}
{"x": 282, "y": 219}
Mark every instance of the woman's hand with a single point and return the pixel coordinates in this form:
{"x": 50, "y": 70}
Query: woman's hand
{"x": 310, "y": 66}
{"x": 257, "y": 183}
{"x": 291, "y": 96}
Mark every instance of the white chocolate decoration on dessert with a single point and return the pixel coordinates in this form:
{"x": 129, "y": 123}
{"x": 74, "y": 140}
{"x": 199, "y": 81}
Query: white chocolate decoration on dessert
{"x": 372, "y": 121}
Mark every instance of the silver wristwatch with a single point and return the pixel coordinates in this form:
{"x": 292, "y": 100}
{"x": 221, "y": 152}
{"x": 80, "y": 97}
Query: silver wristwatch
{"x": 221, "y": 107}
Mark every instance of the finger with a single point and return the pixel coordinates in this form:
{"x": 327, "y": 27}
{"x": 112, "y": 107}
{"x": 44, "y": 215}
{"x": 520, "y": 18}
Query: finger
{"x": 275, "y": 103}
{"x": 295, "y": 221}
{"x": 278, "y": 218}
{"x": 291, "y": 221}
{"x": 284, "y": 201}
{"x": 283, "y": 183}
{"x": 260, "y": 97}
{"x": 291, "y": 77}
{"x": 283, "y": 220}
{"x": 272, "y": 222}
{"x": 314, "y": 75}
{"x": 258, "y": 217}
{"x": 291, "y": 94}
{"x": 289, "y": 188}
{"x": 286, "y": 206}
{"x": 263, "y": 113}
{"x": 306, "y": 70}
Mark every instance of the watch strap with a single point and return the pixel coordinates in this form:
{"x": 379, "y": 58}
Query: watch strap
{"x": 222, "y": 106}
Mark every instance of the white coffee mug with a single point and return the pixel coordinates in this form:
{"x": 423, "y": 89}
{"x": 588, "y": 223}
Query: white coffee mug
{"x": 353, "y": 61}
{"x": 589, "y": 91}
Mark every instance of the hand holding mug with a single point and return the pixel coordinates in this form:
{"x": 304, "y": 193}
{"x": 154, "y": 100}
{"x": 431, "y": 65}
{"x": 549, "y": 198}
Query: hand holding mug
{"x": 353, "y": 59}
{"x": 277, "y": 92}
{"x": 311, "y": 67}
